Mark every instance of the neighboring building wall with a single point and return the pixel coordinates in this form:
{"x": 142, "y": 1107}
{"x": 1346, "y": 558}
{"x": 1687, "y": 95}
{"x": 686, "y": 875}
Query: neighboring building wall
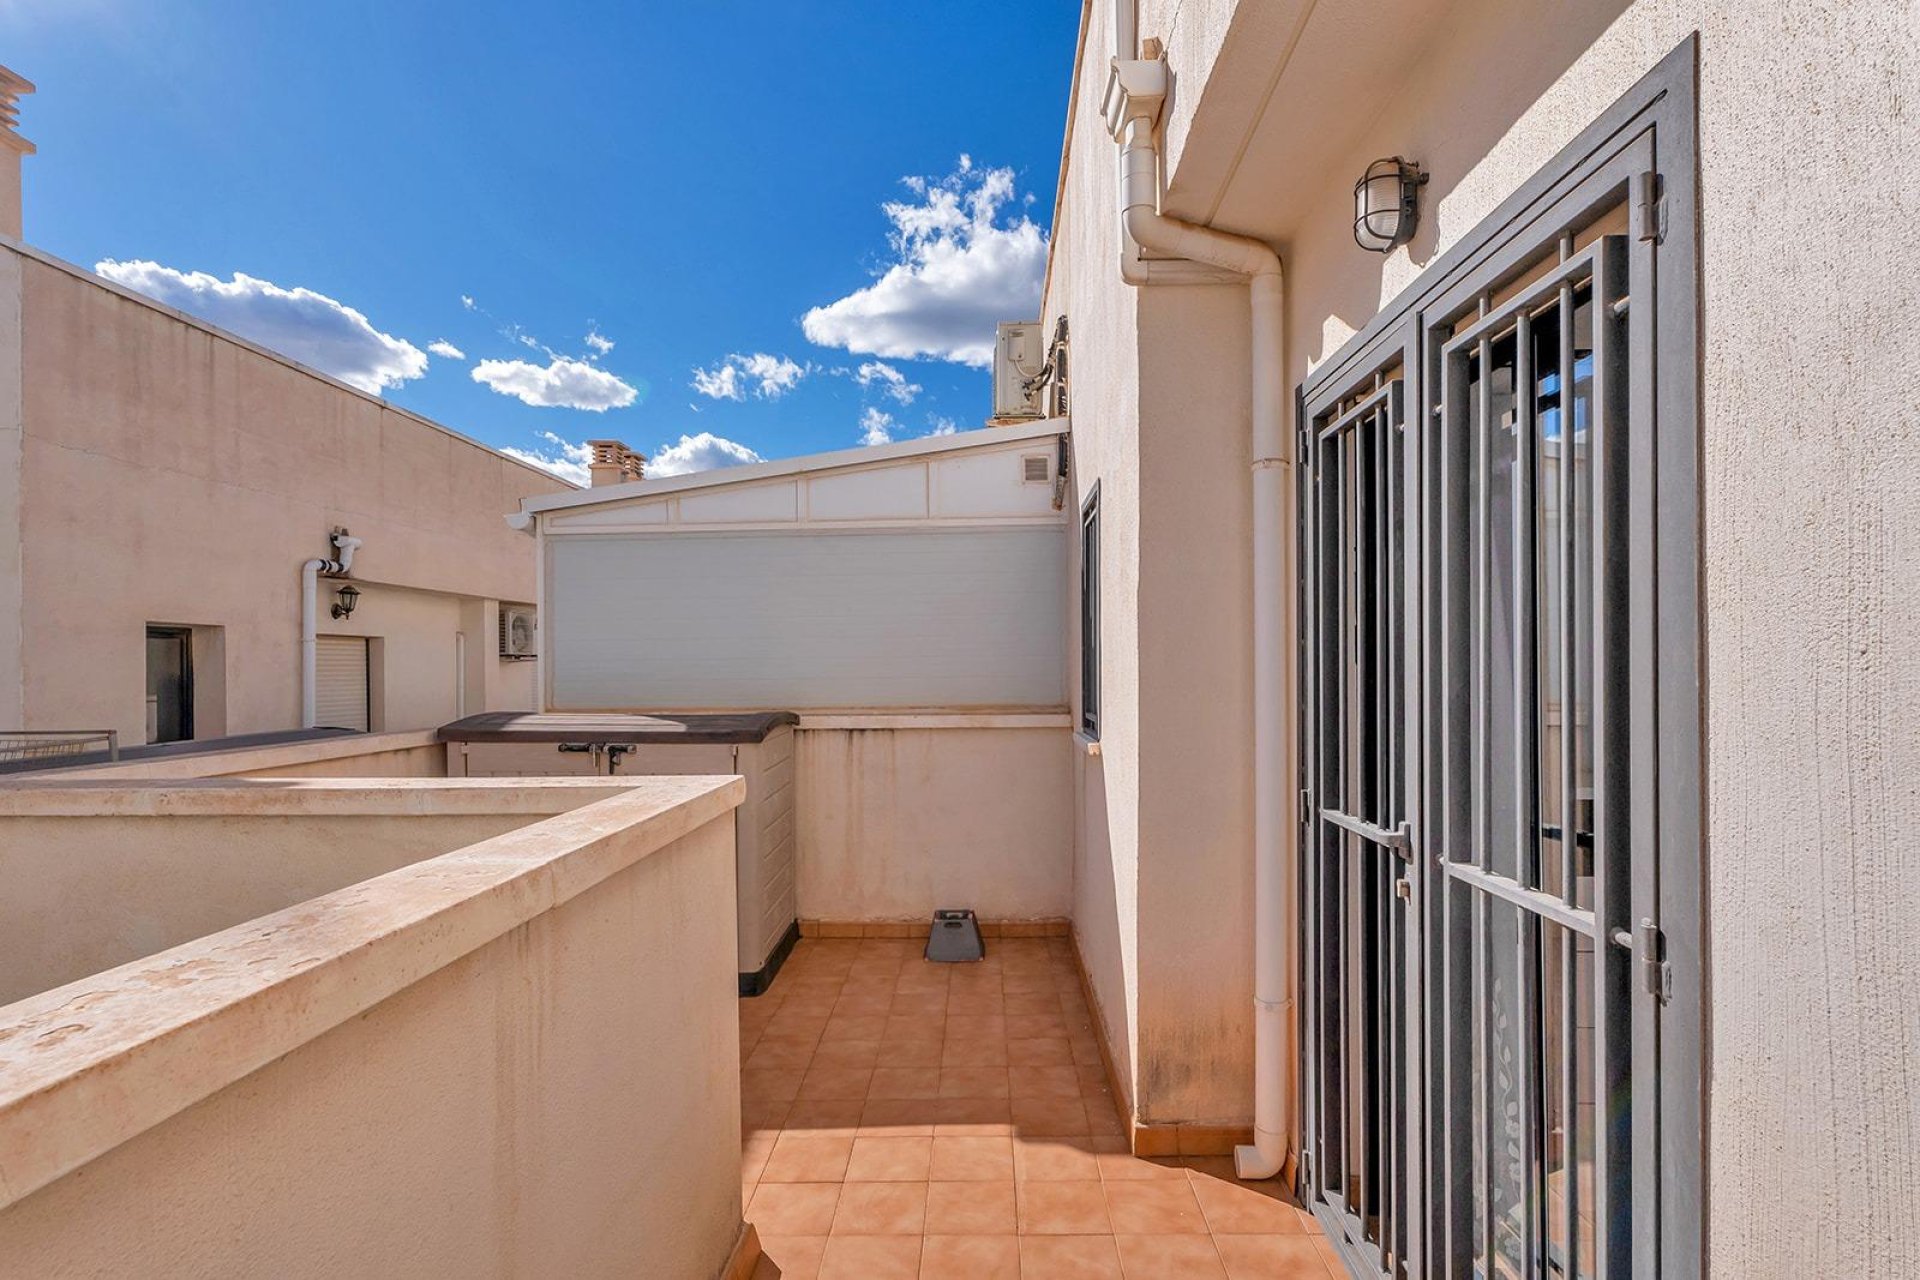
{"x": 172, "y": 474}
{"x": 1811, "y": 521}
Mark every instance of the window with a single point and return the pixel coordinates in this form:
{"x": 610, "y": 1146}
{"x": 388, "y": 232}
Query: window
{"x": 1090, "y": 615}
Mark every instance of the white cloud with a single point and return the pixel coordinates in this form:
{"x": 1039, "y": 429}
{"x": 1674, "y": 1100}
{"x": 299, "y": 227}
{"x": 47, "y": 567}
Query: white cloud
{"x": 958, "y": 268}
{"x": 566, "y": 459}
{"x": 446, "y": 350}
{"x": 298, "y": 323}
{"x": 942, "y": 427}
{"x": 876, "y": 426}
{"x": 892, "y": 382}
{"x": 768, "y": 376}
{"x": 466, "y": 301}
{"x": 562, "y": 383}
{"x": 722, "y": 382}
{"x": 600, "y": 343}
{"x": 704, "y": 452}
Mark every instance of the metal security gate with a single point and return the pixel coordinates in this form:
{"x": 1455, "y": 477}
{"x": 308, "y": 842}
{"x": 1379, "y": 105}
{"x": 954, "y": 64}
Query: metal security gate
{"x": 1356, "y": 837}
{"x": 1531, "y": 1028}
{"x": 1500, "y": 718}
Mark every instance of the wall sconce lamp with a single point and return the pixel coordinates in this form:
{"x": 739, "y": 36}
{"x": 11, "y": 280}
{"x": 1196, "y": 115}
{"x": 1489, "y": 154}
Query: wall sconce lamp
{"x": 347, "y": 597}
{"x": 1386, "y": 204}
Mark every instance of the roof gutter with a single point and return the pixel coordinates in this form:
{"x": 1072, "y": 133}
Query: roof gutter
{"x": 1136, "y": 92}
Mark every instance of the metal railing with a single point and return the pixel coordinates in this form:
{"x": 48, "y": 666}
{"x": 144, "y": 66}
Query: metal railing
{"x": 17, "y": 745}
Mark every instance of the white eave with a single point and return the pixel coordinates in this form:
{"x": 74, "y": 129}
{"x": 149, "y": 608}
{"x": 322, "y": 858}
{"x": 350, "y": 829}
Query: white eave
{"x": 806, "y": 464}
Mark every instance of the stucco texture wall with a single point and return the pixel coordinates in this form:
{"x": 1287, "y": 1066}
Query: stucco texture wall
{"x": 1083, "y": 284}
{"x": 89, "y": 893}
{"x": 1810, "y": 519}
{"x": 894, "y": 823}
{"x": 172, "y": 475}
{"x": 563, "y": 1101}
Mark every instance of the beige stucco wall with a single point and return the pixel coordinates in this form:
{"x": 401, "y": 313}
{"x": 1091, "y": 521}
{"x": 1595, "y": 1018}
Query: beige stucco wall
{"x": 896, "y": 822}
{"x": 1810, "y": 520}
{"x": 171, "y": 474}
{"x": 562, "y": 1101}
{"x": 86, "y": 893}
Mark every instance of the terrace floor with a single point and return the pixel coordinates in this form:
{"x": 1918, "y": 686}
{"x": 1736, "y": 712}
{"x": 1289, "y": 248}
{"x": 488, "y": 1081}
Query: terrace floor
{"x": 907, "y": 1119}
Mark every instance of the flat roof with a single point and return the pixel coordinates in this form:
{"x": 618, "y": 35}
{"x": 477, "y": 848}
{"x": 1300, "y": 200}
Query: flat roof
{"x": 864, "y": 455}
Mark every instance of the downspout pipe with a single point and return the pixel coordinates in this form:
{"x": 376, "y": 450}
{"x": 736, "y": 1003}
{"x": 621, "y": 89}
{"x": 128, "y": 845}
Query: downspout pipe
{"x": 1134, "y": 96}
{"x": 310, "y": 572}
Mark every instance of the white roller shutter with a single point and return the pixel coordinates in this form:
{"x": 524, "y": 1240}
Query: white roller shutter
{"x": 340, "y": 683}
{"x": 920, "y": 618}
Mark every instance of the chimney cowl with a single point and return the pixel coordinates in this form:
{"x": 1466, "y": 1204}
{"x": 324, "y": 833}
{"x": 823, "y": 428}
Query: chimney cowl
{"x": 12, "y": 147}
{"x": 612, "y": 462}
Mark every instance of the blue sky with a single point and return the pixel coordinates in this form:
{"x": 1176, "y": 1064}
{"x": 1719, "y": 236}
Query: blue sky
{"x": 788, "y": 225}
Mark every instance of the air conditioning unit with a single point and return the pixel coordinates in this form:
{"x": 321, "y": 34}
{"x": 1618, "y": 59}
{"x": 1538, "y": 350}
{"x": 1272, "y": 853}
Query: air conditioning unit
{"x": 1019, "y": 355}
{"x": 518, "y": 630}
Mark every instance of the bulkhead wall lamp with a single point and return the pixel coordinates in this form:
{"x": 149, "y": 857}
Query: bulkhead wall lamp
{"x": 1386, "y": 204}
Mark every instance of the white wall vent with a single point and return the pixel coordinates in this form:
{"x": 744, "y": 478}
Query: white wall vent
{"x": 1036, "y": 468}
{"x": 518, "y": 630}
{"x": 1019, "y": 354}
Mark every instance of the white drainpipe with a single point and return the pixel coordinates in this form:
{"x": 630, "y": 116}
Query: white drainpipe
{"x": 1192, "y": 254}
{"x": 309, "y": 619}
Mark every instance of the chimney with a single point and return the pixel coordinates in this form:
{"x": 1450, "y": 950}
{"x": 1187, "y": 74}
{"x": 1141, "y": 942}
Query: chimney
{"x": 614, "y": 463}
{"x": 12, "y": 147}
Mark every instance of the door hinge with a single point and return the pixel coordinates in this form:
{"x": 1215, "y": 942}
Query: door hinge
{"x": 1648, "y": 945}
{"x": 1653, "y": 208}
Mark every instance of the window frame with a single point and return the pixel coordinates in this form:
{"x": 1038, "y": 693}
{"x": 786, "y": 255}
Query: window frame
{"x": 1089, "y": 718}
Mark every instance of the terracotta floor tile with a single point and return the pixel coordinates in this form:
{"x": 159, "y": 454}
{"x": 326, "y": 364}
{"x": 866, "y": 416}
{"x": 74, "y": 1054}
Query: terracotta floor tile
{"x": 905, "y": 1083}
{"x": 1125, "y": 1167}
{"x": 909, "y": 1027}
{"x": 898, "y": 1118}
{"x": 781, "y": 1053}
{"x": 1046, "y": 1082}
{"x": 835, "y": 1082}
{"x": 863, "y": 1005}
{"x": 805, "y": 1158}
{"x": 1168, "y": 1258}
{"x": 760, "y": 1115}
{"x": 976, "y": 1004}
{"x": 1085, "y": 1049}
{"x": 985, "y": 1026}
{"x": 1237, "y": 1208}
{"x": 780, "y": 1084}
{"x": 989, "y": 1051}
{"x": 1025, "y": 1002}
{"x": 881, "y": 1209}
{"x": 1033, "y": 1026}
{"x": 910, "y": 1053}
{"x": 1050, "y": 1117}
{"x": 1155, "y": 1208}
{"x": 919, "y": 1004}
{"x": 847, "y": 1053}
{"x": 1054, "y": 1160}
{"x": 1271, "y": 1258}
{"x": 1062, "y": 1208}
{"x": 871, "y": 1258}
{"x": 973, "y": 1082}
{"x": 790, "y": 1022}
{"x": 825, "y": 1117}
{"x": 793, "y": 1257}
{"x": 970, "y": 1258}
{"x": 794, "y": 1208}
{"x": 957, "y": 1159}
{"x": 1039, "y": 1053}
{"x": 971, "y": 1208}
{"x": 862, "y": 1026}
{"x": 1068, "y": 1258}
{"x": 973, "y": 1118}
{"x": 889, "y": 1159}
